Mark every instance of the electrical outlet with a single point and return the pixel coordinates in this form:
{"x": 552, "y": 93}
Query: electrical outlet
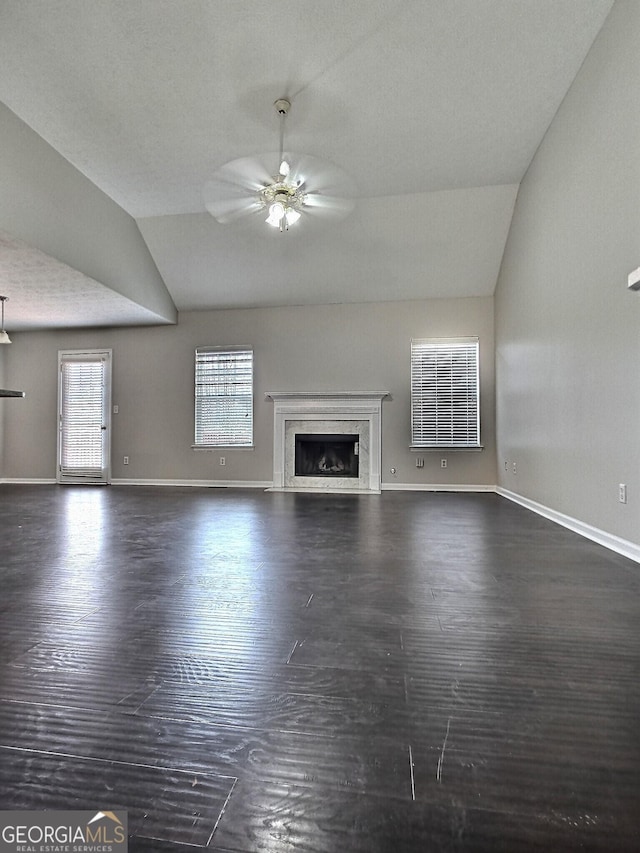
{"x": 419, "y": 462}
{"x": 515, "y": 468}
{"x": 443, "y": 463}
{"x": 116, "y": 409}
{"x": 506, "y": 465}
{"x": 223, "y": 461}
{"x": 125, "y": 460}
{"x": 622, "y": 493}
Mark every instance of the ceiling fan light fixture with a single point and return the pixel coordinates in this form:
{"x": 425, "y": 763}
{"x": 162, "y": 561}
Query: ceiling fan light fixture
{"x": 4, "y": 337}
{"x": 276, "y": 213}
{"x": 283, "y": 201}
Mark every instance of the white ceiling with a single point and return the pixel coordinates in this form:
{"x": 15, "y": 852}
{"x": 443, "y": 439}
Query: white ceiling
{"x": 434, "y": 108}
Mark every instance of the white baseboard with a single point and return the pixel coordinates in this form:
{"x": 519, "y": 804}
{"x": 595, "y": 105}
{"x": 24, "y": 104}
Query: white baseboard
{"x": 204, "y": 484}
{"x": 28, "y": 481}
{"x": 267, "y": 485}
{"x": 608, "y": 540}
{"x": 435, "y": 487}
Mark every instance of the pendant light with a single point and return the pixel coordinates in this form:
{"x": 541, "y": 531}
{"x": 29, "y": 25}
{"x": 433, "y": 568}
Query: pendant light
{"x": 4, "y": 337}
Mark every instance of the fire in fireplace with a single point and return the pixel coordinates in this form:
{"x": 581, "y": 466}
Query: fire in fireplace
{"x": 326, "y": 455}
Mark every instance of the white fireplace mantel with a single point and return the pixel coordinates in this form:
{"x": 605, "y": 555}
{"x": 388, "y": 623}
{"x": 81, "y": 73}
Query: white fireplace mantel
{"x": 327, "y": 411}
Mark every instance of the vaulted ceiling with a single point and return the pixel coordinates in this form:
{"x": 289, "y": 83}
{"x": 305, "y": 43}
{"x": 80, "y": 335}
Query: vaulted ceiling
{"x": 433, "y": 108}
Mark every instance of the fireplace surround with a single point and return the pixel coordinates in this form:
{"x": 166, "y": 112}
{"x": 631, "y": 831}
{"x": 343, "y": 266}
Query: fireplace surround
{"x": 337, "y": 420}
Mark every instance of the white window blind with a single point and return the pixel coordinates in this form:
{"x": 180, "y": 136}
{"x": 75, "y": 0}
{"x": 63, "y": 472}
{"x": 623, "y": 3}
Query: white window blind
{"x": 82, "y": 417}
{"x": 224, "y": 397}
{"x": 445, "y": 393}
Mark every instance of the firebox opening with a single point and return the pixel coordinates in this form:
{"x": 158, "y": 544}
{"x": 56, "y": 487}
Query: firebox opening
{"x": 326, "y": 455}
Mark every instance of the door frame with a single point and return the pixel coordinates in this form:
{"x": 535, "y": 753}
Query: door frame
{"x": 77, "y": 355}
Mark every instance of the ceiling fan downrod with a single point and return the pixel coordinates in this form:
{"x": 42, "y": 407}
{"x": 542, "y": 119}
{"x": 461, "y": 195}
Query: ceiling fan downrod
{"x": 283, "y": 106}
{"x": 283, "y": 198}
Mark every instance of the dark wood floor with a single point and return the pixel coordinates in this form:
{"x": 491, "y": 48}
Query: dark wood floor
{"x": 282, "y": 672}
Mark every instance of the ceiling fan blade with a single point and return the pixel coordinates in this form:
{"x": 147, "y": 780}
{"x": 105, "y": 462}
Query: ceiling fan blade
{"x": 328, "y": 206}
{"x": 227, "y": 210}
{"x": 248, "y": 173}
{"x": 233, "y": 190}
{"x": 320, "y": 176}
{"x": 329, "y": 191}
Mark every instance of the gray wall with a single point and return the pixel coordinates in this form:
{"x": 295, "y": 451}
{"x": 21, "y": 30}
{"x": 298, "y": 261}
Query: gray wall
{"x": 336, "y": 347}
{"x": 567, "y": 328}
{"x": 50, "y": 205}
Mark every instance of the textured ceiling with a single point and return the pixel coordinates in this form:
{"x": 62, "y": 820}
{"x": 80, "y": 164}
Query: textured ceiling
{"x": 434, "y": 108}
{"x": 46, "y": 293}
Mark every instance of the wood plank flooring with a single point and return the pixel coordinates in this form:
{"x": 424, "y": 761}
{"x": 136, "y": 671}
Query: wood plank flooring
{"x": 248, "y": 671}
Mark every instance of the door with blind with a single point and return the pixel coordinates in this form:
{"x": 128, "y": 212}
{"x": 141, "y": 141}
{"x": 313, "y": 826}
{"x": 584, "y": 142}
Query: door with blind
{"x": 84, "y": 434}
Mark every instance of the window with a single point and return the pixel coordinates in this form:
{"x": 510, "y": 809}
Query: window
{"x": 445, "y": 393}
{"x": 224, "y": 397}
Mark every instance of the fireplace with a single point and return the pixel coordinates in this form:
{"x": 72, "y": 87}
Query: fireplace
{"x": 326, "y": 455}
{"x": 327, "y": 441}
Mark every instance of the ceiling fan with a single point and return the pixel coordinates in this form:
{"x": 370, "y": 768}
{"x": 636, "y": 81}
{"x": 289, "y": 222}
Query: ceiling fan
{"x": 284, "y": 185}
